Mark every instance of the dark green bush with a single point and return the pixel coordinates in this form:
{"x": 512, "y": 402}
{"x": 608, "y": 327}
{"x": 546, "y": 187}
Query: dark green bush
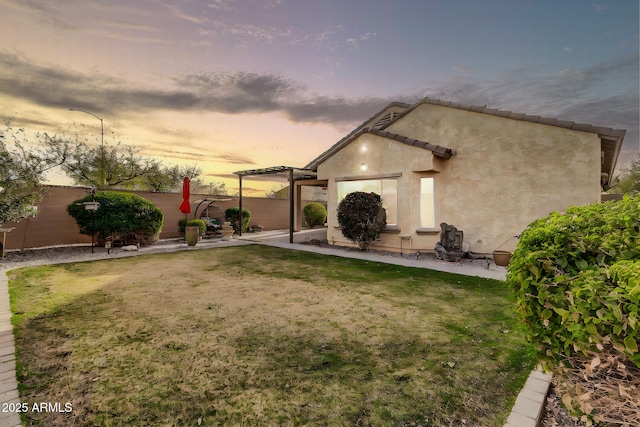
{"x": 202, "y": 226}
{"x": 576, "y": 275}
{"x": 315, "y": 214}
{"x": 231, "y": 215}
{"x": 362, "y": 218}
{"x": 124, "y": 216}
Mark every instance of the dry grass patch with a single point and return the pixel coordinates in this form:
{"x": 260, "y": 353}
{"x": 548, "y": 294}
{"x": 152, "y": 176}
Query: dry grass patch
{"x": 256, "y": 335}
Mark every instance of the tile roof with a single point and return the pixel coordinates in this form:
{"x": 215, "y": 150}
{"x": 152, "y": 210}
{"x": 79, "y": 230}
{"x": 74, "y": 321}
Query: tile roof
{"x": 442, "y": 152}
{"x": 605, "y": 131}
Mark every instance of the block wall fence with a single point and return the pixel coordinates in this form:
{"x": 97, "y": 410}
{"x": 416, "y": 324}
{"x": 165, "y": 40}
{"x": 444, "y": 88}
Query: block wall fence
{"x": 53, "y": 226}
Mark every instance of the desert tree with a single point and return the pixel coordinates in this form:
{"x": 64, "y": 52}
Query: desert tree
{"x": 106, "y": 166}
{"x": 218, "y": 188}
{"x": 22, "y": 169}
{"x": 169, "y": 178}
{"x": 275, "y": 192}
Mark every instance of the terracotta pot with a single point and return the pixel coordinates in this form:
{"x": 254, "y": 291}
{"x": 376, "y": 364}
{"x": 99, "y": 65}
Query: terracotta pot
{"x": 501, "y": 258}
{"x": 191, "y": 235}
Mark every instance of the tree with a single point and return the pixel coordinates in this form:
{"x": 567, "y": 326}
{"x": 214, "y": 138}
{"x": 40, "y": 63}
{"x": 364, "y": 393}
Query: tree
{"x": 216, "y": 188}
{"x": 120, "y": 216}
{"x": 362, "y": 218}
{"x": 275, "y": 192}
{"x": 22, "y": 170}
{"x": 169, "y": 178}
{"x": 107, "y": 166}
{"x": 629, "y": 182}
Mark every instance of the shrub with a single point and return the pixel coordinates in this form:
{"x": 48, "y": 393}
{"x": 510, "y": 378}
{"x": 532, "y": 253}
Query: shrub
{"x": 362, "y": 218}
{"x": 315, "y": 214}
{"x": 231, "y": 215}
{"x": 576, "y": 275}
{"x": 131, "y": 218}
{"x": 202, "y": 226}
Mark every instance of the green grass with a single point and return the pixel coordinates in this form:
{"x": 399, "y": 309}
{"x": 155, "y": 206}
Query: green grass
{"x": 256, "y": 335}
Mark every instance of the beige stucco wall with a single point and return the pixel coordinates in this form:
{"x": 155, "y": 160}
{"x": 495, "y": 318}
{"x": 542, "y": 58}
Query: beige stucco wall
{"x": 383, "y": 158}
{"x": 505, "y": 174}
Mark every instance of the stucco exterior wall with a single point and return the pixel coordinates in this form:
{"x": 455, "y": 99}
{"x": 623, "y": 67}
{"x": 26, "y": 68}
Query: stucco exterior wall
{"x": 383, "y": 159}
{"x": 505, "y": 174}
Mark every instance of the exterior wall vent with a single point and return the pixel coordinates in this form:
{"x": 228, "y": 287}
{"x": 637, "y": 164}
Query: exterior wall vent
{"x": 385, "y": 120}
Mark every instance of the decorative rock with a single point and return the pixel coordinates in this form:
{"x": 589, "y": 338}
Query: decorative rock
{"x": 227, "y": 231}
{"x": 449, "y": 248}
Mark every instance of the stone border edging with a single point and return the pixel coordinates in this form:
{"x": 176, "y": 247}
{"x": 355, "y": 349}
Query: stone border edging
{"x": 8, "y": 381}
{"x": 529, "y": 406}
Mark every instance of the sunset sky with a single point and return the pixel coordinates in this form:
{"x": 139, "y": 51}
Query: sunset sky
{"x": 243, "y": 84}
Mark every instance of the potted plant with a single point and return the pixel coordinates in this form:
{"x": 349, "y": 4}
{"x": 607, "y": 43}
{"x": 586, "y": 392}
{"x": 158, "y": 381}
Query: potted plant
{"x": 191, "y": 235}
{"x": 192, "y": 230}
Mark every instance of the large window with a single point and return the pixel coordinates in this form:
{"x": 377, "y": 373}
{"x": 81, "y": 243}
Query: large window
{"x": 427, "y": 209}
{"x": 386, "y": 188}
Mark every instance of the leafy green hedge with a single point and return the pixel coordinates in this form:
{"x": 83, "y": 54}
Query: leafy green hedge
{"x": 122, "y": 214}
{"x": 231, "y": 215}
{"x": 202, "y": 226}
{"x": 315, "y": 214}
{"x": 576, "y": 275}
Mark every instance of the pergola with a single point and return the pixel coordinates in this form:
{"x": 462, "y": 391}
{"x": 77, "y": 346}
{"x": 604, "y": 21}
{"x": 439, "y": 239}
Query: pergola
{"x": 292, "y": 174}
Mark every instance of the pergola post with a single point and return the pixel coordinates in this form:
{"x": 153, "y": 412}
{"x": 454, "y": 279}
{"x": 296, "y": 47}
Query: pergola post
{"x": 291, "y": 205}
{"x": 240, "y": 218}
{"x": 298, "y": 208}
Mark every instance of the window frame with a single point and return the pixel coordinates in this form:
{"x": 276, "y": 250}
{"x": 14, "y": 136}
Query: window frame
{"x": 430, "y": 226}
{"x": 380, "y": 190}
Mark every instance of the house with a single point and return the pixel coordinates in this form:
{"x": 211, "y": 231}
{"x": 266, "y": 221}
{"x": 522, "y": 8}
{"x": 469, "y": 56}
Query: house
{"x": 487, "y": 172}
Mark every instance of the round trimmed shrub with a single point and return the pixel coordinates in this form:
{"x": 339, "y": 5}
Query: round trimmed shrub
{"x": 202, "y": 226}
{"x": 231, "y": 215}
{"x": 315, "y": 214}
{"x": 125, "y": 216}
{"x": 362, "y": 218}
{"x": 576, "y": 276}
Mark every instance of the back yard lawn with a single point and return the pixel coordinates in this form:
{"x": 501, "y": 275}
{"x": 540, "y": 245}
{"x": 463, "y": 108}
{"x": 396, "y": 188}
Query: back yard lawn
{"x": 257, "y": 335}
